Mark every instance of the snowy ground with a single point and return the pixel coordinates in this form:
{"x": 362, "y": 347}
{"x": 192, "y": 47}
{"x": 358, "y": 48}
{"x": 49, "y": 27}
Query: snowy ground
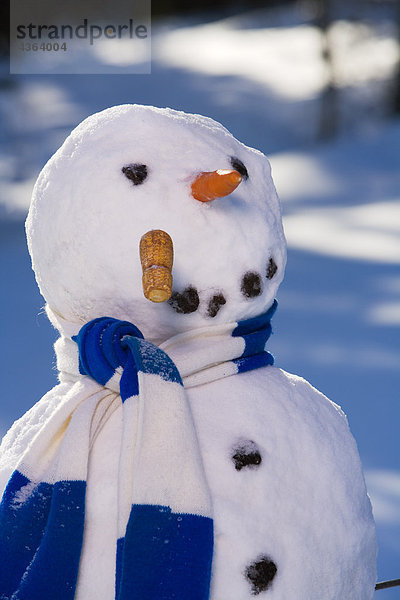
{"x": 339, "y": 314}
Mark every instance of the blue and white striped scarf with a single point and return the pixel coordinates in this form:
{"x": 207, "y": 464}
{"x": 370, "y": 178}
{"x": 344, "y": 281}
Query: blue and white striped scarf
{"x": 165, "y": 528}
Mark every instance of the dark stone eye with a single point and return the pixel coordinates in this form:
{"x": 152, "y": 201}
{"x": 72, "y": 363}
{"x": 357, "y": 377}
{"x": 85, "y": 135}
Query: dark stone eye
{"x": 137, "y": 173}
{"x": 239, "y": 167}
{"x": 251, "y": 285}
{"x": 185, "y": 302}
{"x": 246, "y": 454}
{"x": 260, "y": 574}
{"x": 271, "y": 268}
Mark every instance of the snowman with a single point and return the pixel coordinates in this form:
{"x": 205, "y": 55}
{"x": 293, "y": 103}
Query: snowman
{"x": 173, "y": 460}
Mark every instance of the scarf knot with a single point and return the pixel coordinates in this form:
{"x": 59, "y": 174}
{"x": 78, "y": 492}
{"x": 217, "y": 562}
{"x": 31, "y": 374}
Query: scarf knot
{"x": 110, "y": 348}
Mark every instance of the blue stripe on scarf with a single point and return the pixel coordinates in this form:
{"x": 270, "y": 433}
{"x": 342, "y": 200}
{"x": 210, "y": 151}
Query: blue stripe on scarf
{"x": 255, "y": 332}
{"x": 250, "y": 363}
{"x": 167, "y": 555}
{"x": 119, "y": 564}
{"x": 21, "y": 530}
{"x": 41, "y": 532}
{"x": 151, "y": 359}
{"x": 256, "y": 323}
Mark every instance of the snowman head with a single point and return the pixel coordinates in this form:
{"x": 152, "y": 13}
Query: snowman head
{"x": 129, "y": 170}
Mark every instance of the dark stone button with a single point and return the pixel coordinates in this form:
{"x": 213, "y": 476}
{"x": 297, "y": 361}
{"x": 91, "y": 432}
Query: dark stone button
{"x": 246, "y": 454}
{"x": 260, "y": 574}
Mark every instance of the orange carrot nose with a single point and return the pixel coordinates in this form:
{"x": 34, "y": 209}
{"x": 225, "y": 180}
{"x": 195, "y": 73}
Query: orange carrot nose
{"x": 215, "y": 184}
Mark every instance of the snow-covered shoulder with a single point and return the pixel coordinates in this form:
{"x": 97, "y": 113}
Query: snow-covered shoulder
{"x": 23, "y": 431}
{"x": 306, "y": 397}
{"x": 319, "y": 424}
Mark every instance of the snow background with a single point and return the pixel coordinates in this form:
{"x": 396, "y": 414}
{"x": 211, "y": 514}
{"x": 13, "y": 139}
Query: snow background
{"x": 260, "y": 74}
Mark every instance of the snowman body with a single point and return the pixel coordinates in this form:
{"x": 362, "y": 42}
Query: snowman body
{"x": 292, "y": 519}
{"x": 291, "y": 515}
{"x": 287, "y": 489}
{"x": 274, "y": 434}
